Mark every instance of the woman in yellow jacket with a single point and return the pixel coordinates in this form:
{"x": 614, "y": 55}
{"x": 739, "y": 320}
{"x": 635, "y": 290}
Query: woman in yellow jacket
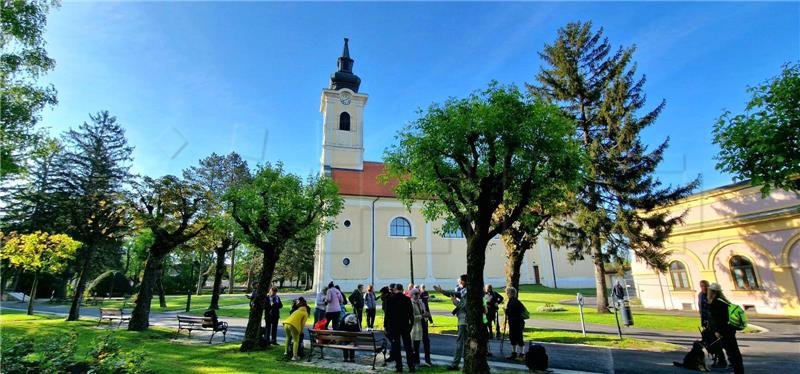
{"x": 293, "y": 327}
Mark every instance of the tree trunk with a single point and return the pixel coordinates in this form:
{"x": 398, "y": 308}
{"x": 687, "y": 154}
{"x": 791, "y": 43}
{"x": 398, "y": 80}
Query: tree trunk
{"x": 33, "y": 292}
{"x": 219, "y": 272}
{"x": 201, "y": 279}
{"x": 513, "y": 266}
{"x": 80, "y": 288}
{"x": 162, "y": 294}
{"x": 15, "y": 283}
{"x": 140, "y": 317}
{"x": 253, "y": 332}
{"x": 231, "y": 275}
{"x": 475, "y": 348}
{"x": 599, "y": 277}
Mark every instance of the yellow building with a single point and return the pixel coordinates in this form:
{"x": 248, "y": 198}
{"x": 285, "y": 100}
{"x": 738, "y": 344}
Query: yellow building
{"x": 370, "y": 244}
{"x": 731, "y": 235}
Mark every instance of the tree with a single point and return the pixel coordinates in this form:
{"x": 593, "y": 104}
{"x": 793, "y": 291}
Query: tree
{"x": 614, "y": 210}
{"x": 94, "y": 171}
{"x": 38, "y": 252}
{"x": 22, "y": 62}
{"x": 479, "y": 162}
{"x": 272, "y": 210}
{"x": 763, "y": 144}
{"x": 218, "y": 174}
{"x": 173, "y": 210}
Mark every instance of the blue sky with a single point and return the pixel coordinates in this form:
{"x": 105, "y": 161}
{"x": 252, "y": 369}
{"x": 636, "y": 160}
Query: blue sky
{"x": 188, "y": 79}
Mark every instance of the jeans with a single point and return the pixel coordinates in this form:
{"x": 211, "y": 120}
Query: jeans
{"x": 462, "y": 338}
{"x": 395, "y": 339}
{"x": 371, "y": 318}
{"x": 333, "y": 317}
{"x": 426, "y": 344}
{"x": 359, "y": 312}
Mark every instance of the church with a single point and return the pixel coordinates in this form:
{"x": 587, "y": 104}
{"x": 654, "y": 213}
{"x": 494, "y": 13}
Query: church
{"x": 378, "y": 240}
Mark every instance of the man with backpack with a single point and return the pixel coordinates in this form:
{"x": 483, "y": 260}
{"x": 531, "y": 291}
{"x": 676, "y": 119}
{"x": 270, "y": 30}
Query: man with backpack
{"x": 725, "y": 318}
{"x": 493, "y": 301}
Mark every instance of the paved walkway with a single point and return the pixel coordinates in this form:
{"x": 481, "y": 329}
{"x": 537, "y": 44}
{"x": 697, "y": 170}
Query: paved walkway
{"x": 771, "y": 352}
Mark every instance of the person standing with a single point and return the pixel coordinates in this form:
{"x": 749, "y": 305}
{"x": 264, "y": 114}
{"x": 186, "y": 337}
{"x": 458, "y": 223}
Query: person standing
{"x": 516, "y": 324}
{"x": 272, "y": 315}
{"x": 370, "y": 303}
{"x": 714, "y": 349}
{"x": 425, "y": 297}
{"x": 459, "y": 299}
{"x": 333, "y": 306}
{"x": 398, "y": 320}
{"x": 718, "y": 321}
{"x": 319, "y": 307}
{"x": 493, "y": 301}
{"x": 357, "y": 300}
{"x": 419, "y": 332}
{"x": 618, "y": 292}
{"x": 293, "y": 327}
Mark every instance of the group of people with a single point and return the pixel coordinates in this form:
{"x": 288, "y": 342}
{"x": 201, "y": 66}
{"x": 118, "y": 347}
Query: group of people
{"x": 718, "y": 334}
{"x": 407, "y": 317}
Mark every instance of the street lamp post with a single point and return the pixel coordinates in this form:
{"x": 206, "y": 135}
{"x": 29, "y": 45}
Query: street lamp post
{"x": 410, "y": 240}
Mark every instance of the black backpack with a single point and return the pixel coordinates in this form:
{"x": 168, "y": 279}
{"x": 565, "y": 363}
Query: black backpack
{"x": 536, "y": 358}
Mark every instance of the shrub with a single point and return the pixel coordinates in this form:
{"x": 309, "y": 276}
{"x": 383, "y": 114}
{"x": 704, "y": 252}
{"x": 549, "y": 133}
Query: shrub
{"x": 551, "y": 308}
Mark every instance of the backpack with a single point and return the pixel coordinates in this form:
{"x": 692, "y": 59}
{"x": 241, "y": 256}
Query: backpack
{"x": 525, "y": 313}
{"x": 536, "y": 358}
{"x": 736, "y": 316}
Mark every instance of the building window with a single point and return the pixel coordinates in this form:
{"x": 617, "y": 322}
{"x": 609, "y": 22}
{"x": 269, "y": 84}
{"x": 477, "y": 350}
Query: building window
{"x": 680, "y": 278}
{"x": 744, "y": 276}
{"x": 344, "y": 121}
{"x": 453, "y": 234}
{"x": 400, "y": 227}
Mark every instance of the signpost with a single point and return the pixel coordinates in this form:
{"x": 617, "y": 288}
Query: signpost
{"x": 580, "y": 308}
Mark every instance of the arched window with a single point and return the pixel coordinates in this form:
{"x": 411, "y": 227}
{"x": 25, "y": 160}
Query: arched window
{"x": 744, "y": 276}
{"x": 344, "y": 121}
{"x": 400, "y": 227}
{"x": 680, "y": 278}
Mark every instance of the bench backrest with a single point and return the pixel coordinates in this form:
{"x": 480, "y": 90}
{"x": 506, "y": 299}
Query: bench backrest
{"x": 110, "y": 312}
{"x": 205, "y": 321}
{"x": 360, "y": 339}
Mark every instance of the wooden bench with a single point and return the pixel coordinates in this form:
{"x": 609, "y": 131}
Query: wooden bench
{"x": 352, "y": 341}
{"x": 200, "y": 323}
{"x": 113, "y": 314}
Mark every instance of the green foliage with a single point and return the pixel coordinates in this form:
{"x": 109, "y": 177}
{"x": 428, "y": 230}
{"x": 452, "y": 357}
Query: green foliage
{"x": 614, "y": 208}
{"x": 763, "y": 144}
{"x": 39, "y": 251}
{"x": 468, "y": 157}
{"x": 57, "y": 353}
{"x": 22, "y": 61}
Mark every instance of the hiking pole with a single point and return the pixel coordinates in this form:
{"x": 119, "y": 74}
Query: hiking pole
{"x": 503, "y": 336}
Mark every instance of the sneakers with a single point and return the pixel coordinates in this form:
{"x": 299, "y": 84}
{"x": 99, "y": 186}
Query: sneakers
{"x": 295, "y": 358}
{"x": 513, "y": 356}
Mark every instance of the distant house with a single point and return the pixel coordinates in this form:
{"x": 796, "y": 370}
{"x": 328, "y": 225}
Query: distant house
{"x": 748, "y": 244}
{"x": 369, "y": 245}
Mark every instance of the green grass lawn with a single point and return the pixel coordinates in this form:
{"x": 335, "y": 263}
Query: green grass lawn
{"x": 163, "y": 354}
{"x": 534, "y": 296}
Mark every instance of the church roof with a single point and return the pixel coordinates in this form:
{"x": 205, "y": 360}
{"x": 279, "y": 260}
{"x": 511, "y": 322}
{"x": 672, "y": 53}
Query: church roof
{"x": 363, "y": 182}
{"x": 344, "y": 77}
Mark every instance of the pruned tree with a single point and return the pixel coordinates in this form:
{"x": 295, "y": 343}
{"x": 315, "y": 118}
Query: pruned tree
{"x": 478, "y": 162}
{"x": 273, "y": 209}
{"x": 218, "y": 174}
{"x": 174, "y": 211}
{"x": 38, "y": 252}
{"x": 763, "y": 143}
{"x": 614, "y": 210}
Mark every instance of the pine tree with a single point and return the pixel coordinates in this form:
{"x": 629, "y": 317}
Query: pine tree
{"x": 93, "y": 172}
{"x": 614, "y": 211}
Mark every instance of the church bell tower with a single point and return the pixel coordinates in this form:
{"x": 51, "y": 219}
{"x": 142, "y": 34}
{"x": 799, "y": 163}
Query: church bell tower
{"x": 342, "y": 108}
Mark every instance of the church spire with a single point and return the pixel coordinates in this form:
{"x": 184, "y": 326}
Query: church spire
{"x": 344, "y": 77}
